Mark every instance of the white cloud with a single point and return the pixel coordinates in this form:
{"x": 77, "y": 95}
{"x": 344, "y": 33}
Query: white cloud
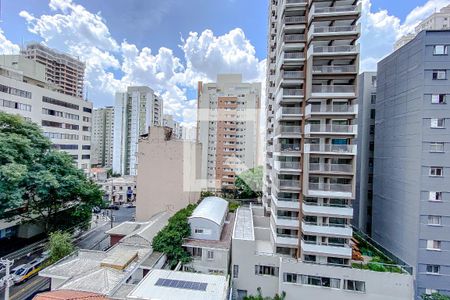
{"x": 6, "y": 46}
{"x": 381, "y": 29}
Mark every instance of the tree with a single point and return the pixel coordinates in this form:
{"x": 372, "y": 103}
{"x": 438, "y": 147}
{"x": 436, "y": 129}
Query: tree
{"x": 435, "y": 296}
{"x": 249, "y": 183}
{"x": 170, "y": 239}
{"x": 259, "y": 296}
{"x": 43, "y": 182}
{"x": 59, "y": 246}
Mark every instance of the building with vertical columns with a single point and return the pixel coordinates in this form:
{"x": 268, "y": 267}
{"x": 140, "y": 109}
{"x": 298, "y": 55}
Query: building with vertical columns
{"x": 134, "y": 112}
{"x": 362, "y": 207}
{"x": 102, "y": 136}
{"x": 411, "y": 205}
{"x": 61, "y": 69}
{"x": 228, "y": 129}
{"x": 177, "y": 129}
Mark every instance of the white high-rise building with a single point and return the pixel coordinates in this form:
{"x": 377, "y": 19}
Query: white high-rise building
{"x": 437, "y": 21}
{"x": 65, "y": 119}
{"x": 228, "y": 128}
{"x": 168, "y": 121}
{"x": 102, "y": 136}
{"x": 134, "y": 112}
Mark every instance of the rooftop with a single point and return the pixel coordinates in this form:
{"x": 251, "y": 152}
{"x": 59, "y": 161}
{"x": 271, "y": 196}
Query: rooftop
{"x": 211, "y": 208}
{"x": 168, "y": 285}
{"x": 68, "y": 295}
{"x": 243, "y": 227}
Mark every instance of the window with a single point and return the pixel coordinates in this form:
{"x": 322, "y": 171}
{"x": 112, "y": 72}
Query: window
{"x": 14, "y": 91}
{"x": 435, "y": 220}
{"x": 197, "y": 252}
{"x": 373, "y": 98}
{"x": 266, "y": 270}
{"x": 430, "y": 291}
{"x": 60, "y": 103}
{"x": 198, "y": 230}
{"x": 437, "y": 123}
{"x": 435, "y": 196}
{"x": 355, "y": 285}
{"x": 235, "y": 271}
{"x": 15, "y": 105}
{"x": 436, "y": 171}
{"x": 320, "y": 281}
{"x": 433, "y": 269}
{"x": 437, "y": 147}
{"x": 85, "y": 156}
{"x": 372, "y": 113}
{"x": 87, "y": 109}
{"x": 433, "y": 245}
{"x": 86, "y": 147}
{"x": 210, "y": 255}
{"x": 290, "y": 277}
{"x": 439, "y": 74}
{"x": 438, "y": 98}
{"x": 440, "y": 50}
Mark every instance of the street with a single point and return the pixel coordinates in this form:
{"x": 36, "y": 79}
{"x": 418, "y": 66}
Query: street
{"x": 95, "y": 239}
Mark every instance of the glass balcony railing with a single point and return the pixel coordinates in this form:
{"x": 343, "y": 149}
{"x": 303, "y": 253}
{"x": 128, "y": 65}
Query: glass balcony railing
{"x": 324, "y": 128}
{"x": 335, "y": 9}
{"x": 327, "y": 148}
{"x": 330, "y": 89}
{"x": 331, "y": 187}
{"x": 286, "y": 129}
{"x": 287, "y": 147}
{"x": 345, "y": 168}
{"x": 334, "y": 69}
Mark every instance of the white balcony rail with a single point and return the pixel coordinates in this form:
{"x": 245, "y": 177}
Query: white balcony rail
{"x": 335, "y": 49}
{"x": 334, "y": 29}
{"x": 286, "y": 129}
{"x": 290, "y": 183}
{"x": 326, "y": 244}
{"x": 280, "y": 165}
{"x": 333, "y": 89}
{"x": 291, "y": 110}
{"x": 345, "y": 168}
{"x": 330, "y": 148}
{"x": 296, "y": 1}
{"x": 293, "y": 92}
{"x": 323, "y": 128}
{"x": 294, "y": 38}
{"x": 336, "y": 108}
{"x": 334, "y": 9}
{"x": 331, "y": 187}
{"x": 294, "y": 20}
{"x": 334, "y": 69}
{"x": 287, "y": 147}
{"x": 293, "y": 74}
{"x": 340, "y": 225}
{"x": 287, "y": 217}
{"x": 294, "y": 55}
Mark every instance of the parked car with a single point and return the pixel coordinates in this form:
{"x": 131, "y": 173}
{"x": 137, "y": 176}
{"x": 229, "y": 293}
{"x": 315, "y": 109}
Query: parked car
{"x": 130, "y": 205}
{"x": 113, "y": 206}
{"x": 96, "y": 210}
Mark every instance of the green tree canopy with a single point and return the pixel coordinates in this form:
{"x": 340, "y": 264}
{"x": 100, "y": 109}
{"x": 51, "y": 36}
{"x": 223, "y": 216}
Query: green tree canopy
{"x": 41, "y": 181}
{"x": 59, "y": 246}
{"x": 435, "y": 296}
{"x": 249, "y": 183}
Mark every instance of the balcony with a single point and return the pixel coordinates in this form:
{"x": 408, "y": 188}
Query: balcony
{"x": 331, "y": 129}
{"x": 330, "y": 168}
{"x": 333, "y": 50}
{"x": 286, "y": 130}
{"x": 336, "y": 69}
{"x": 289, "y": 184}
{"x": 286, "y": 239}
{"x": 291, "y": 166}
{"x": 292, "y": 20}
{"x": 341, "y": 10}
{"x": 327, "y": 210}
{"x": 330, "y": 190}
{"x": 288, "y": 113}
{"x": 331, "y": 110}
{"x": 287, "y": 148}
{"x": 286, "y": 221}
{"x": 294, "y": 38}
{"x": 326, "y": 249}
{"x": 287, "y": 203}
{"x": 330, "y": 149}
{"x": 336, "y": 230}
{"x": 289, "y": 95}
{"x": 327, "y": 31}
{"x": 295, "y": 2}
{"x": 293, "y": 75}
{"x": 319, "y": 91}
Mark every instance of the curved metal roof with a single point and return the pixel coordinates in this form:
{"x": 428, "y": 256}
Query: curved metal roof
{"x": 211, "y": 208}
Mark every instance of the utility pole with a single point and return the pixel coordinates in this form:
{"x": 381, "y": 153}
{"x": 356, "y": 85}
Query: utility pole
{"x": 7, "y": 280}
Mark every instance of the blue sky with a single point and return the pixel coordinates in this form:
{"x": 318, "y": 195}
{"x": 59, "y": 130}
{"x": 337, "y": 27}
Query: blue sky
{"x": 170, "y": 45}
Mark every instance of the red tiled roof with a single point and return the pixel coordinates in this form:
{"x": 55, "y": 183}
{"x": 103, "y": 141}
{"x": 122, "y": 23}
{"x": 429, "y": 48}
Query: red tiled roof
{"x": 68, "y": 295}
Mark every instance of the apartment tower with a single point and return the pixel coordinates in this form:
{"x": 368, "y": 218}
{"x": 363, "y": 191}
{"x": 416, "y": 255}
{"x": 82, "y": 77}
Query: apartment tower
{"x": 102, "y": 136}
{"x": 411, "y": 206}
{"x": 61, "y": 69}
{"x": 309, "y": 183}
{"x": 134, "y": 112}
{"x": 228, "y": 129}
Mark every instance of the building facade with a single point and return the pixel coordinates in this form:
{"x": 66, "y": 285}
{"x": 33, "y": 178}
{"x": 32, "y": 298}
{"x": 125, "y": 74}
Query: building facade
{"x": 411, "y": 205}
{"x": 119, "y": 190}
{"x": 61, "y": 69}
{"x": 366, "y": 135}
{"x": 437, "y": 21}
{"x": 309, "y": 183}
{"x": 102, "y": 136}
{"x": 177, "y": 130}
{"x": 228, "y": 128}
{"x": 135, "y": 111}
{"x": 64, "y": 119}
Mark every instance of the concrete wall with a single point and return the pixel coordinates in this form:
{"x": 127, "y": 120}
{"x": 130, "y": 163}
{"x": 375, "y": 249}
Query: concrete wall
{"x": 211, "y": 230}
{"x": 166, "y": 174}
{"x": 217, "y": 265}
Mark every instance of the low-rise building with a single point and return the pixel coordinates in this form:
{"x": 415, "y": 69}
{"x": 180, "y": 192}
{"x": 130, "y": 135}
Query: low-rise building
{"x": 119, "y": 190}
{"x": 210, "y": 241}
{"x": 167, "y": 172}
{"x": 255, "y": 265}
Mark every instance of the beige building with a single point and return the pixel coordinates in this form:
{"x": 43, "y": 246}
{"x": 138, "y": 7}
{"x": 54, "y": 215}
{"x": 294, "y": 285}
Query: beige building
{"x": 177, "y": 130}
{"x": 61, "y": 69}
{"x": 66, "y": 120}
{"x": 119, "y": 190}
{"x": 437, "y": 21}
{"x": 102, "y": 136}
{"x": 167, "y": 173}
{"x": 228, "y": 128}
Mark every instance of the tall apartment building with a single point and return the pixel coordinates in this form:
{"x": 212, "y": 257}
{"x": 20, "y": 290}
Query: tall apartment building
{"x": 61, "y": 69}
{"x": 134, "y": 112}
{"x": 411, "y": 206}
{"x": 102, "y": 136}
{"x": 228, "y": 128}
{"x": 362, "y": 207}
{"x": 437, "y": 21}
{"x": 300, "y": 241}
{"x": 66, "y": 120}
{"x": 177, "y": 129}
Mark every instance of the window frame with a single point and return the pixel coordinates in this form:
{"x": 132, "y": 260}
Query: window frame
{"x": 436, "y": 170}
{"x": 444, "y": 52}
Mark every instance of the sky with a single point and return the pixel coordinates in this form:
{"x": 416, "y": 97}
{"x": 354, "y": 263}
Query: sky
{"x": 170, "y": 45}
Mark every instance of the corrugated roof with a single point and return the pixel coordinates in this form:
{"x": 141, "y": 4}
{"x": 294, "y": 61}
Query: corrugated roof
{"x": 211, "y": 208}
{"x": 68, "y": 295}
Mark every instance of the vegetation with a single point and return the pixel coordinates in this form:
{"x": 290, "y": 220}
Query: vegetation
{"x": 435, "y": 296}
{"x": 40, "y": 182}
{"x": 59, "y": 246}
{"x": 249, "y": 183}
{"x": 110, "y": 174}
{"x": 259, "y": 296}
{"x": 170, "y": 239}
{"x": 233, "y": 205}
